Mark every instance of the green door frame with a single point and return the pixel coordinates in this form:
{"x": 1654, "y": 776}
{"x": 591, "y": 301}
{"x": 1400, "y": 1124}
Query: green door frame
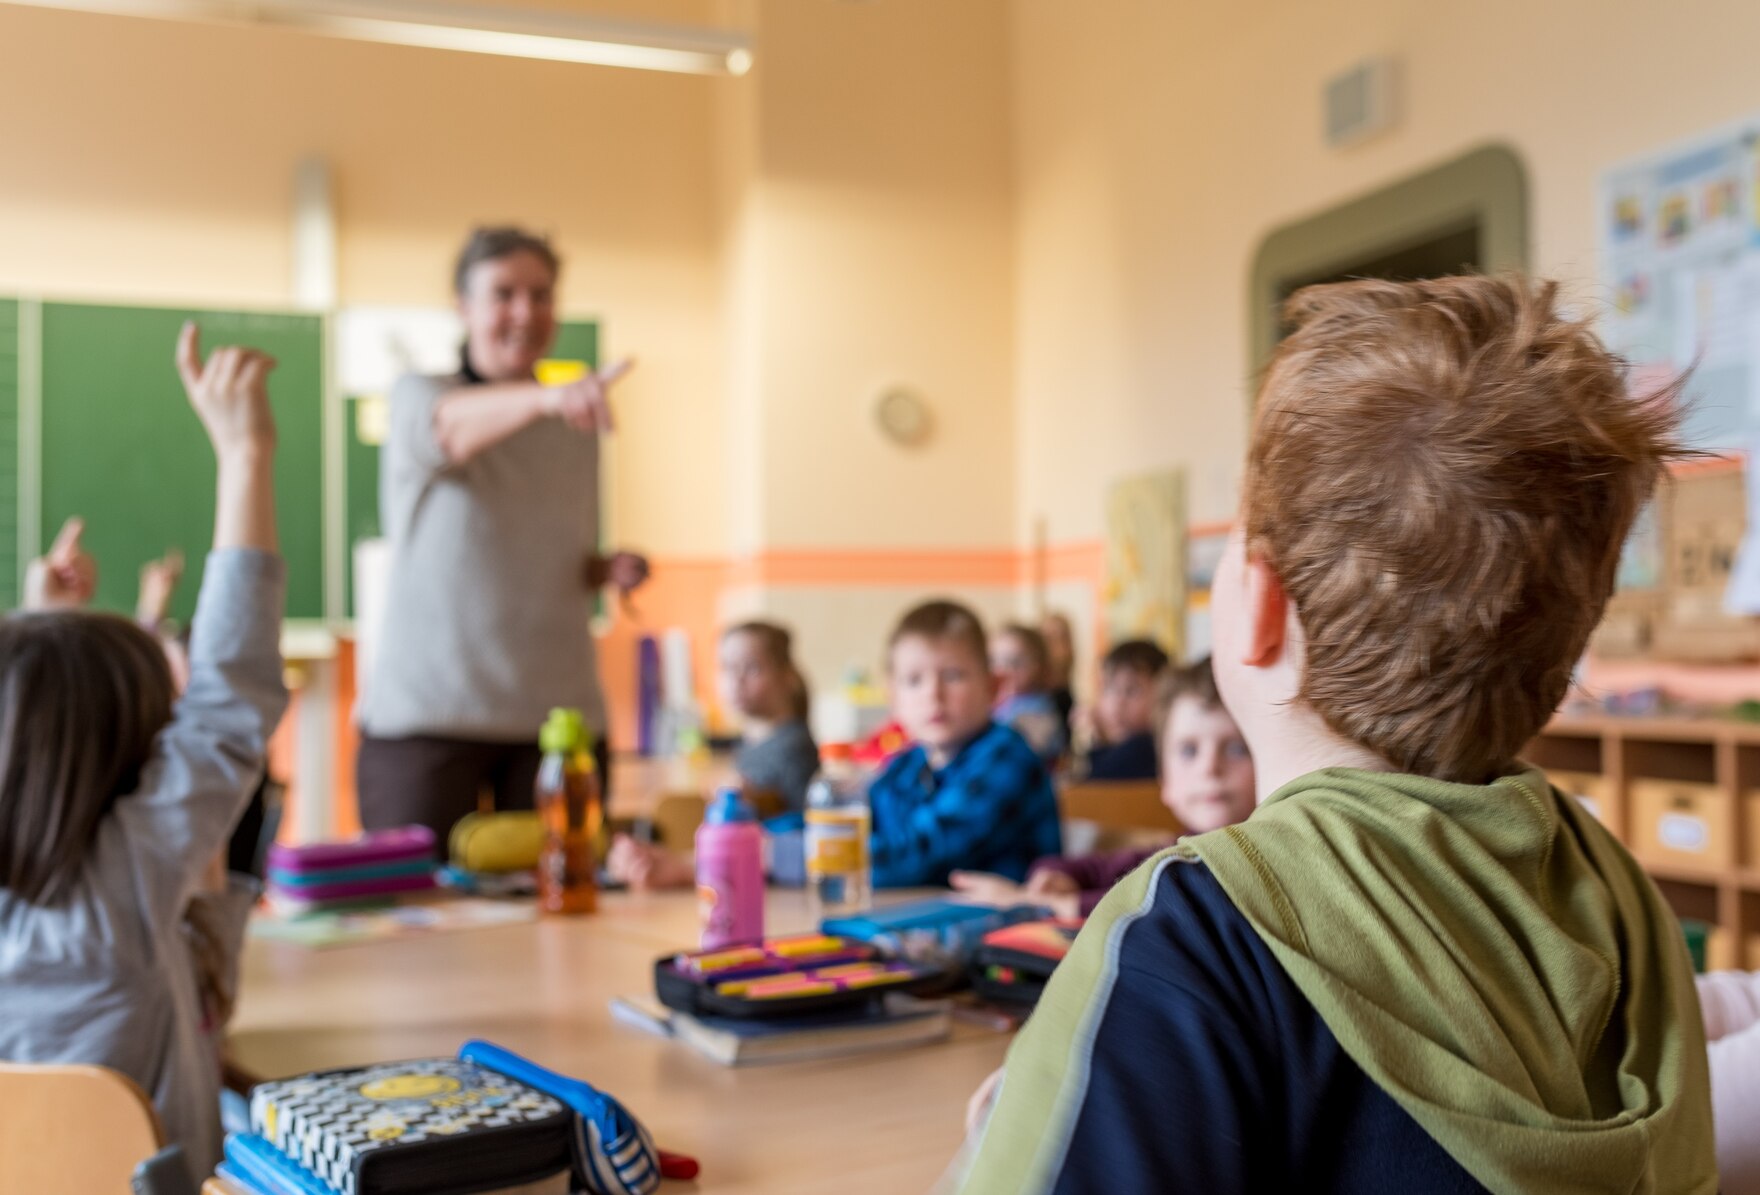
{"x": 1486, "y": 187}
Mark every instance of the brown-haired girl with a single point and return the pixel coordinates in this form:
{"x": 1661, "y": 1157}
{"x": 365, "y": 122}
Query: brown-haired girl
{"x": 115, "y": 796}
{"x": 760, "y": 682}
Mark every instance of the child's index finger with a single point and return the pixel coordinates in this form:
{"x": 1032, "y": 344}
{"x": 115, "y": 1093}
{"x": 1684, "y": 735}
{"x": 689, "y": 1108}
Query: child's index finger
{"x": 189, "y": 352}
{"x": 66, "y": 544}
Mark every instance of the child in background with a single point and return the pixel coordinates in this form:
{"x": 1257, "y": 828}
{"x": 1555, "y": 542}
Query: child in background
{"x": 1060, "y": 655}
{"x": 1020, "y": 664}
{"x": 760, "y": 682}
{"x": 1124, "y": 713}
{"x": 114, "y": 800}
{"x": 1417, "y": 966}
{"x": 1206, "y": 783}
{"x": 970, "y": 793}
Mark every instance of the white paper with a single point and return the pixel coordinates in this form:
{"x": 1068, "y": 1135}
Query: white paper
{"x": 376, "y": 345}
{"x": 1743, "y": 594}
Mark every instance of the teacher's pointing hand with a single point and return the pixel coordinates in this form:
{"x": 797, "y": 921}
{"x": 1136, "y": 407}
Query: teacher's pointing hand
{"x": 584, "y": 404}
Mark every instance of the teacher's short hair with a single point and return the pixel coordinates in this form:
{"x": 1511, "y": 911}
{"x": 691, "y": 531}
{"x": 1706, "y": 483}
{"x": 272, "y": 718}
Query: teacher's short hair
{"x": 492, "y": 243}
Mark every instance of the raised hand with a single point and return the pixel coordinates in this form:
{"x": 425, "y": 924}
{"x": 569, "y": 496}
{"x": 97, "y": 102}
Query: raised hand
{"x": 230, "y": 393}
{"x": 67, "y": 577}
{"x": 159, "y": 580}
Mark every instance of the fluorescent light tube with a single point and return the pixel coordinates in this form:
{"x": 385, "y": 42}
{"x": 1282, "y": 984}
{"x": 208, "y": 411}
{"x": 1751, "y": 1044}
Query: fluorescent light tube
{"x": 556, "y": 37}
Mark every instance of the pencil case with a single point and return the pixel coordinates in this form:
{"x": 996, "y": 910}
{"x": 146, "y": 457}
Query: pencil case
{"x": 1013, "y": 964}
{"x": 497, "y": 842}
{"x": 940, "y": 932}
{"x": 376, "y": 847}
{"x": 785, "y": 977}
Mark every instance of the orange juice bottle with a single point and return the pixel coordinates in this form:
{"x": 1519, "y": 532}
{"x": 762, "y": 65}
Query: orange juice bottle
{"x": 569, "y": 802}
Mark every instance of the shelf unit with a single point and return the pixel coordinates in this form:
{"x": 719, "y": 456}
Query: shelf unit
{"x": 1683, "y": 794}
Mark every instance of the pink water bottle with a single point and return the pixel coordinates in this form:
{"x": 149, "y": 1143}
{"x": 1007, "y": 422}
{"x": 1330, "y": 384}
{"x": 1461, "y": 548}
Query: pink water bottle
{"x": 730, "y": 873}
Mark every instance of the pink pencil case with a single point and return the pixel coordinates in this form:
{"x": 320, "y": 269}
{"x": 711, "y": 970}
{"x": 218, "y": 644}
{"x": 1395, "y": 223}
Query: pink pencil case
{"x": 378, "y": 846}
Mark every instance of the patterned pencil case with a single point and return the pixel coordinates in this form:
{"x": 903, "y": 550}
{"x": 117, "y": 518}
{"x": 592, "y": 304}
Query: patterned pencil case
{"x": 785, "y": 977}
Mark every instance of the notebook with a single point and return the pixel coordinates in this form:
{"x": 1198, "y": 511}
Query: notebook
{"x": 898, "y": 1023}
{"x": 432, "y": 1126}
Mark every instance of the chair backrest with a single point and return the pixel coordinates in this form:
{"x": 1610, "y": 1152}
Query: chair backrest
{"x": 73, "y": 1128}
{"x": 677, "y": 816}
{"x": 1118, "y": 805}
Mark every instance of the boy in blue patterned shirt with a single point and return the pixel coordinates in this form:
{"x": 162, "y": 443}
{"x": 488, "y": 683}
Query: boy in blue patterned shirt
{"x": 970, "y": 793}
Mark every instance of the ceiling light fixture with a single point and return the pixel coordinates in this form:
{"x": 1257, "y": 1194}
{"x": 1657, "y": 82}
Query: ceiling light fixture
{"x": 558, "y": 37}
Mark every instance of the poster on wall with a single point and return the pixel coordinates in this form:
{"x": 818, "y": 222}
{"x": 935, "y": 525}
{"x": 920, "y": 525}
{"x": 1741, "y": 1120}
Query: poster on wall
{"x": 1145, "y": 587}
{"x": 1679, "y": 235}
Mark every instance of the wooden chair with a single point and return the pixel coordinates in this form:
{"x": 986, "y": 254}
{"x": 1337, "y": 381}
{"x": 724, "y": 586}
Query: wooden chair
{"x": 74, "y": 1128}
{"x": 678, "y": 815}
{"x": 1118, "y": 805}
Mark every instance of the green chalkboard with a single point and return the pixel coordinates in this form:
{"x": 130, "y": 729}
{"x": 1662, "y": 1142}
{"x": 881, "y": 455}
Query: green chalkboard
{"x": 574, "y": 342}
{"x": 122, "y": 448}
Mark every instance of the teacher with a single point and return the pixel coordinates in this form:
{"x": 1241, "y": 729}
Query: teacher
{"x": 489, "y": 495}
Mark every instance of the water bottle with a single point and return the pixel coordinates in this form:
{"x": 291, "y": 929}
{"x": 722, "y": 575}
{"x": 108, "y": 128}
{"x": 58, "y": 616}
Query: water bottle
{"x": 730, "y": 873}
{"x": 569, "y": 803}
{"x": 839, "y": 873}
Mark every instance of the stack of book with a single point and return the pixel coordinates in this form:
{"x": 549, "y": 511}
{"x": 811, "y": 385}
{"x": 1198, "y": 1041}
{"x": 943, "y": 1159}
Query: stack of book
{"x": 325, "y": 875}
{"x": 892, "y": 1024}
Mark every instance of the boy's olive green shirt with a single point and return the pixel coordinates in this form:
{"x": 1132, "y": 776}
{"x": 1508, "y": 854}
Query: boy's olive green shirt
{"x": 1489, "y": 956}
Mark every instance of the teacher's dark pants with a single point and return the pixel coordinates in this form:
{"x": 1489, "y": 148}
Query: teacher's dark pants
{"x": 435, "y": 781}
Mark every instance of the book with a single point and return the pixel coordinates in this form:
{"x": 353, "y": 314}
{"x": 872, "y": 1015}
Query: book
{"x": 415, "y": 915}
{"x": 433, "y": 1126}
{"x": 897, "y": 1023}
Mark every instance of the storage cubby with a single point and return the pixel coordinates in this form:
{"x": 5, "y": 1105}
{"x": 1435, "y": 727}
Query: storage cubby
{"x": 1683, "y": 794}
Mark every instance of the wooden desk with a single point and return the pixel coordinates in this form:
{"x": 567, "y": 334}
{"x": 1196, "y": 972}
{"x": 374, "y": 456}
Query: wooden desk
{"x": 883, "y": 1123}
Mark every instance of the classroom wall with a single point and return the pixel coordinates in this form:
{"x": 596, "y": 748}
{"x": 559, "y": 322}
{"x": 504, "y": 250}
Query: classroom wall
{"x": 1157, "y": 144}
{"x": 152, "y": 161}
{"x": 866, "y": 191}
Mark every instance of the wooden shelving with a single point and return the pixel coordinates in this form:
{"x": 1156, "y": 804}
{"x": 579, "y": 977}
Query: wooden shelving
{"x": 1683, "y": 794}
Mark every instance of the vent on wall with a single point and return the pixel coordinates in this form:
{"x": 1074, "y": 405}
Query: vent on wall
{"x": 1361, "y": 102}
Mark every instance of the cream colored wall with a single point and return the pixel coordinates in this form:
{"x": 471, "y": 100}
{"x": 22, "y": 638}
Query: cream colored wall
{"x": 881, "y": 218}
{"x": 1156, "y": 145}
{"x": 153, "y": 161}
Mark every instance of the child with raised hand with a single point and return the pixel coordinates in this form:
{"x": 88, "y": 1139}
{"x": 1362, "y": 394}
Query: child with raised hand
{"x": 1021, "y": 665}
{"x": 66, "y": 578}
{"x": 1124, "y": 713}
{"x": 1417, "y": 966}
{"x": 761, "y": 683}
{"x": 1206, "y": 783}
{"x": 116, "y": 796}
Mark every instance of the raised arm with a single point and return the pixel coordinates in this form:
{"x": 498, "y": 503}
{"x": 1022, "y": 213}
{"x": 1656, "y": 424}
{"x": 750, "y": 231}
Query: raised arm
{"x": 208, "y": 760}
{"x": 469, "y": 419}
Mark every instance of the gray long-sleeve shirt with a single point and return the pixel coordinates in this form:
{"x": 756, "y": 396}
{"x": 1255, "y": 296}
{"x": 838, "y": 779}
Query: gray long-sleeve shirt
{"x": 487, "y": 620}
{"x": 106, "y": 976}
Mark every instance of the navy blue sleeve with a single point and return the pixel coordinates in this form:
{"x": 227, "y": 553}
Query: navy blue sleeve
{"x": 1210, "y": 1072}
{"x": 1133, "y": 759}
